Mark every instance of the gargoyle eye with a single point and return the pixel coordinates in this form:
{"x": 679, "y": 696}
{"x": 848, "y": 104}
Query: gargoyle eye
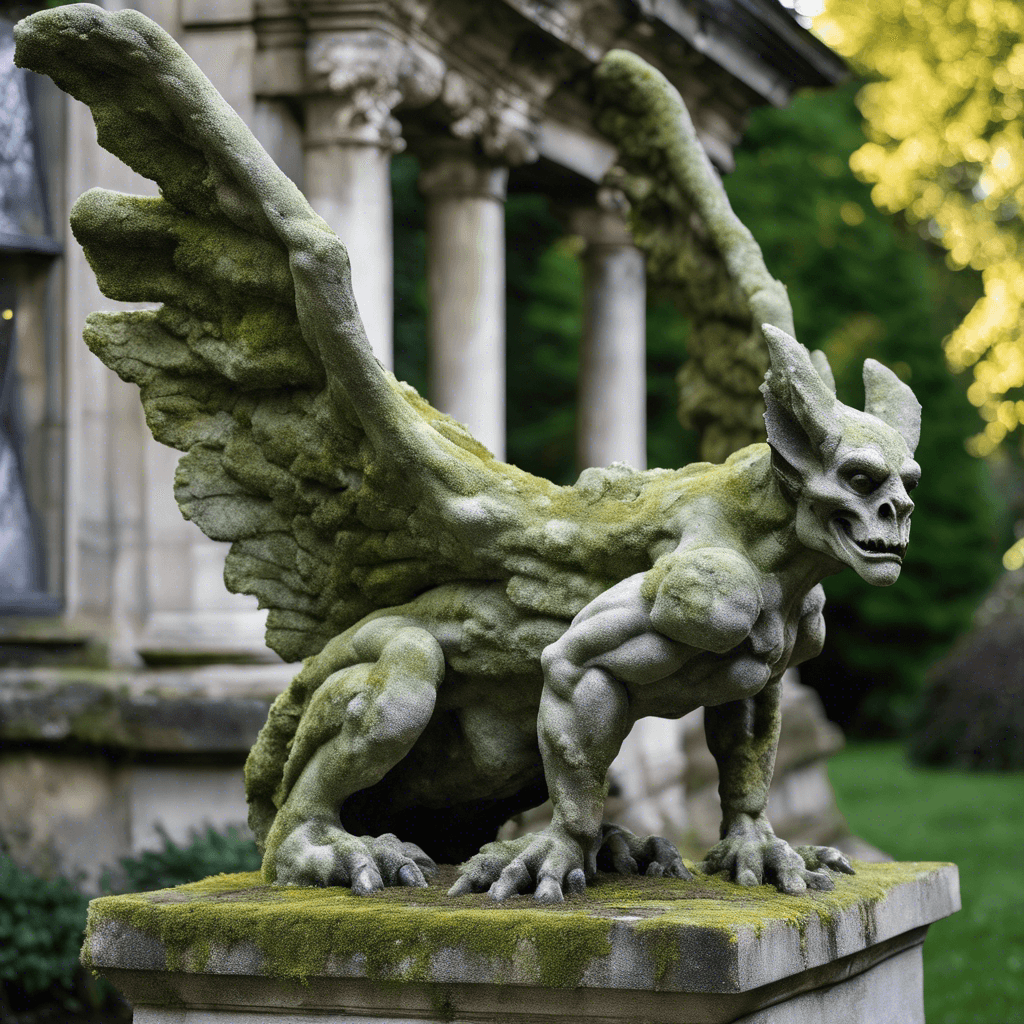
{"x": 862, "y": 483}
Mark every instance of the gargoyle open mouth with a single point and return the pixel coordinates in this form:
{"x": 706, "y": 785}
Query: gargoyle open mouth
{"x": 872, "y": 545}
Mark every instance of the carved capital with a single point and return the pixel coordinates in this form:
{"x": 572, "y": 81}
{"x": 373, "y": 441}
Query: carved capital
{"x": 498, "y": 120}
{"x": 603, "y": 223}
{"x": 358, "y": 78}
{"x": 451, "y": 171}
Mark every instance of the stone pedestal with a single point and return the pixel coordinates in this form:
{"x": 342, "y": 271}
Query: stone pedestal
{"x": 637, "y": 949}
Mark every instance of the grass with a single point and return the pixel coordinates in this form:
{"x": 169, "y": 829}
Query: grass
{"x": 974, "y": 960}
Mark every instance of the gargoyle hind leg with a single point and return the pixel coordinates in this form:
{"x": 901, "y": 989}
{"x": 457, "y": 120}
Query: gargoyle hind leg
{"x": 743, "y": 736}
{"x": 360, "y": 723}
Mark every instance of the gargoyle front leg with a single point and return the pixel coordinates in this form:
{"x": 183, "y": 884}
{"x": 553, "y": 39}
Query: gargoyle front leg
{"x": 743, "y": 736}
{"x": 582, "y": 722}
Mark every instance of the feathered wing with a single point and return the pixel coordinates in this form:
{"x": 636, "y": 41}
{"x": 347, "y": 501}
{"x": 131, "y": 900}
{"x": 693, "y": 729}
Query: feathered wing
{"x": 339, "y": 488}
{"x": 698, "y": 252}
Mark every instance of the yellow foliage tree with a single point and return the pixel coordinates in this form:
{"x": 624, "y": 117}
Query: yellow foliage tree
{"x": 945, "y": 123}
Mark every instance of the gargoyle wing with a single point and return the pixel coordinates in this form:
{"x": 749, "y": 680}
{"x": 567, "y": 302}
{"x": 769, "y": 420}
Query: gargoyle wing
{"x": 341, "y": 490}
{"x": 698, "y": 252}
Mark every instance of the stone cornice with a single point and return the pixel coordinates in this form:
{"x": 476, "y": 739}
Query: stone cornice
{"x": 492, "y": 73}
{"x": 358, "y": 77}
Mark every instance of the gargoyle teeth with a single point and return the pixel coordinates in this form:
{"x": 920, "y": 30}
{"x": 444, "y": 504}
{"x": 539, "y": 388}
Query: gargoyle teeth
{"x": 873, "y": 545}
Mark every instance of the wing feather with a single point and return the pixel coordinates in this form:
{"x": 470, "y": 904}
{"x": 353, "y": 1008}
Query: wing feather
{"x": 340, "y": 489}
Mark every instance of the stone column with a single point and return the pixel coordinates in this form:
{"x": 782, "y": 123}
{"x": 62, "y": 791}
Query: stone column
{"x": 611, "y": 426}
{"x": 612, "y": 419}
{"x": 350, "y": 137}
{"x": 466, "y": 287}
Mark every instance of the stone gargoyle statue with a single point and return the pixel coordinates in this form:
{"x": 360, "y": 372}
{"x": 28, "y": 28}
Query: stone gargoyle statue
{"x": 476, "y": 639}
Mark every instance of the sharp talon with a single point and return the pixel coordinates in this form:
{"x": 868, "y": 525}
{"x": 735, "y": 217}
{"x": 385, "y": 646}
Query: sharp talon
{"x": 365, "y": 883}
{"x": 794, "y": 885}
{"x": 576, "y": 882}
{"x": 680, "y": 870}
{"x": 625, "y": 865}
{"x": 420, "y": 859}
{"x": 409, "y": 875}
{"x": 548, "y": 891}
{"x": 820, "y": 881}
{"x": 461, "y": 888}
{"x": 504, "y": 887}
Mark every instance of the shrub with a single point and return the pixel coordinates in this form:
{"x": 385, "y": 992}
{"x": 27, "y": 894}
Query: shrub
{"x": 208, "y": 853}
{"x": 973, "y": 709}
{"x": 42, "y": 922}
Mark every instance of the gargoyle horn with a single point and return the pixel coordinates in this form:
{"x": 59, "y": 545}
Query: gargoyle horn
{"x": 820, "y": 361}
{"x": 800, "y": 407}
{"x": 888, "y": 398}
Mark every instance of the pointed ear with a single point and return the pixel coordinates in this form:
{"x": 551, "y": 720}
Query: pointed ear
{"x": 800, "y": 409}
{"x": 892, "y": 401}
{"x": 820, "y": 361}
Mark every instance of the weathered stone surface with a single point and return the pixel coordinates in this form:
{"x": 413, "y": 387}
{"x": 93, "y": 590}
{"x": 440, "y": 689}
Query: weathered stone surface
{"x": 211, "y": 710}
{"x": 650, "y": 949}
{"x": 92, "y": 761}
{"x": 802, "y": 806}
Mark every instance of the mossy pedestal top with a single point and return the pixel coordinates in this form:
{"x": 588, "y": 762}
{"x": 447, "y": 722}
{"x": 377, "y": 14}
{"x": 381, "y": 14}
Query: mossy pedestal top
{"x": 655, "y": 934}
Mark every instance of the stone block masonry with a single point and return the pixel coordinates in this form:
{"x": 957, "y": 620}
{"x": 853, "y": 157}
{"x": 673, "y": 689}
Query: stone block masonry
{"x": 231, "y": 949}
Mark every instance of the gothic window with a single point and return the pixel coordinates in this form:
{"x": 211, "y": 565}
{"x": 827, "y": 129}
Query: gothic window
{"x": 25, "y": 243}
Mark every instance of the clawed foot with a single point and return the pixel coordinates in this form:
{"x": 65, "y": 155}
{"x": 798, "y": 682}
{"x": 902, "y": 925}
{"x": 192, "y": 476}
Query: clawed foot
{"x": 628, "y": 854}
{"x": 548, "y": 864}
{"x": 320, "y": 853}
{"x": 752, "y": 854}
{"x": 551, "y": 864}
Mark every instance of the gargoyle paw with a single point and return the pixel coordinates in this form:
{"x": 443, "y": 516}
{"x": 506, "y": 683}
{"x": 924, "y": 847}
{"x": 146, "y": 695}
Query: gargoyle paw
{"x": 549, "y": 864}
{"x": 751, "y": 854}
{"x": 320, "y": 853}
{"x": 626, "y": 853}
{"x": 817, "y": 857}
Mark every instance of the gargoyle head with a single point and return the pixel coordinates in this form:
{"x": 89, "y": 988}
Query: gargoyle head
{"x": 849, "y": 472}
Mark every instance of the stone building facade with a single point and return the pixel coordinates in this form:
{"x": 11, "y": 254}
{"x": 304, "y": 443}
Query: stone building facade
{"x": 112, "y": 607}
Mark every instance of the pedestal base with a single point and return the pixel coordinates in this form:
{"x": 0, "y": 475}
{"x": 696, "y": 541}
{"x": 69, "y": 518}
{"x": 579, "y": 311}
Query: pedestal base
{"x": 231, "y": 951}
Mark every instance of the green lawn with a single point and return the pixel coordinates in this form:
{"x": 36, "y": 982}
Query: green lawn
{"x": 973, "y": 961}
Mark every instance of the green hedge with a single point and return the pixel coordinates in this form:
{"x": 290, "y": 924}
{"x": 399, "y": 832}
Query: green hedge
{"x": 42, "y": 921}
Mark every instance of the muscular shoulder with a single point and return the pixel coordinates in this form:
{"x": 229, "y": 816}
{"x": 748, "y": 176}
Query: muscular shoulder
{"x": 706, "y": 597}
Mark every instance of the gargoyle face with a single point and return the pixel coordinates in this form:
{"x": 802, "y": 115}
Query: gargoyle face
{"x": 849, "y": 472}
{"x": 857, "y": 507}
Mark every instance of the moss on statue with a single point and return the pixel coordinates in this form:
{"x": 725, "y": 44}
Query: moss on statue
{"x": 398, "y": 931}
